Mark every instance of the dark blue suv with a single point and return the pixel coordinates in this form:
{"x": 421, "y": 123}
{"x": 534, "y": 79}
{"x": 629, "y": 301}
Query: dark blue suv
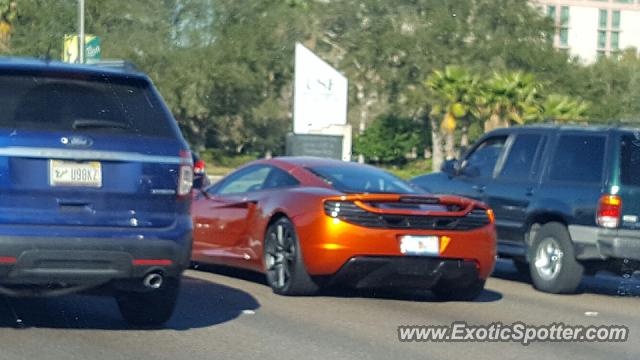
{"x": 566, "y": 199}
{"x": 95, "y": 181}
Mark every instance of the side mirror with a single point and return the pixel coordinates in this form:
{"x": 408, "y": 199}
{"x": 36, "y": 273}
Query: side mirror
{"x": 470, "y": 171}
{"x": 450, "y": 167}
{"x": 200, "y": 192}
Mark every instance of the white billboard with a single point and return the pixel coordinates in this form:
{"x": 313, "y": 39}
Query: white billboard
{"x": 320, "y": 94}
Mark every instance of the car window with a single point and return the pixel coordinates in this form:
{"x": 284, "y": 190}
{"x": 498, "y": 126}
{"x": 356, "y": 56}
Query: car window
{"x": 578, "y": 158}
{"x": 630, "y": 160}
{"x": 115, "y": 105}
{"x": 361, "y": 179}
{"x": 519, "y": 161}
{"x": 279, "y": 179}
{"x": 482, "y": 161}
{"x": 251, "y": 179}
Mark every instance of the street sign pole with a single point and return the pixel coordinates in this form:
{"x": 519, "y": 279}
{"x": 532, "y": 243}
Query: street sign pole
{"x": 81, "y": 31}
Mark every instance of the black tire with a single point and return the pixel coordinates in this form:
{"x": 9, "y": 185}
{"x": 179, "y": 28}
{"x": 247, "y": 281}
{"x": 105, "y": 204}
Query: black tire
{"x": 151, "y": 308}
{"x": 284, "y": 265}
{"x": 553, "y": 265}
{"x": 455, "y": 292}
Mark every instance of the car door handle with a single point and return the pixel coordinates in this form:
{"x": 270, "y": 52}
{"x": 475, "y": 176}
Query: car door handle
{"x": 478, "y": 188}
{"x": 529, "y": 192}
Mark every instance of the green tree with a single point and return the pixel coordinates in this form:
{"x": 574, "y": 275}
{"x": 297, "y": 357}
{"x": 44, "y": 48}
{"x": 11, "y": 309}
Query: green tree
{"x": 612, "y": 86}
{"x": 389, "y": 139}
{"x": 564, "y": 108}
{"x": 511, "y": 97}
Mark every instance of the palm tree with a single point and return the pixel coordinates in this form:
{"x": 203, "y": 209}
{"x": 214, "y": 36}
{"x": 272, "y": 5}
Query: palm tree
{"x": 453, "y": 90}
{"x": 564, "y": 108}
{"x": 513, "y": 97}
{"x": 8, "y": 13}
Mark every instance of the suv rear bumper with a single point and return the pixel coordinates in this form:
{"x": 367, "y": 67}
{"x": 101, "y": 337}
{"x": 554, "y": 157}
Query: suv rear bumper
{"x": 86, "y": 261}
{"x": 598, "y": 243}
{"x": 624, "y": 244}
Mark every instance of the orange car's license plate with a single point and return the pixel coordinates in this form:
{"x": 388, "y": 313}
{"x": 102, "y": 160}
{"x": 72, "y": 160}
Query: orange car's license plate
{"x": 420, "y": 245}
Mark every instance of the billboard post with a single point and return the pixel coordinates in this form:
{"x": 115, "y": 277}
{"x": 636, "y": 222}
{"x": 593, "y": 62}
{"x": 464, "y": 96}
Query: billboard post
{"x": 320, "y": 100}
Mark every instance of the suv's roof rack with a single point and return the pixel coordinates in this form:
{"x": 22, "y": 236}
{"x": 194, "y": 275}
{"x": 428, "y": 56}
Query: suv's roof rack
{"x": 116, "y": 64}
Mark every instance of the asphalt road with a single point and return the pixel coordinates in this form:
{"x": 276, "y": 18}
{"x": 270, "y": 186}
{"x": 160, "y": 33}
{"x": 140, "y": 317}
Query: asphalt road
{"x": 225, "y": 314}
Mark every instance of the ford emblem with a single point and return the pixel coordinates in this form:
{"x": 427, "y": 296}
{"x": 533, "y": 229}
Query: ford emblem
{"x": 76, "y": 141}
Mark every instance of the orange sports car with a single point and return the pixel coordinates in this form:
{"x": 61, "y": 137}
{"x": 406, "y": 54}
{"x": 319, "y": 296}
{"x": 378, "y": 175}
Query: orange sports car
{"x": 308, "y": 222}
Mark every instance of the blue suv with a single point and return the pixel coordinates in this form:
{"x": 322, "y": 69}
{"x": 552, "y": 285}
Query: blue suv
{"x": 95, "y": 182}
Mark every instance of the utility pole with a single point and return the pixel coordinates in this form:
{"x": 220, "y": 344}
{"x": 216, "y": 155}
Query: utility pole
{"x": 81, "y": 31}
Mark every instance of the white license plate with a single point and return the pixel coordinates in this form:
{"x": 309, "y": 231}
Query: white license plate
{"x": 419, "y": 245}
{"x": 73, "y": 173}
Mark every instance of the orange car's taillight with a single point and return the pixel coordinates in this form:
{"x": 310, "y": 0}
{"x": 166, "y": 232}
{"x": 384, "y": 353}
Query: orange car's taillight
{"x": 334, "y": 208}
{"x": 491, "y": 216}
{"x": 609, "y": 209}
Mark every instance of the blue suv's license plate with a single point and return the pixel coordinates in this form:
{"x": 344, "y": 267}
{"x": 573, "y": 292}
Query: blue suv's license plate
{"x": 73, "y": 173}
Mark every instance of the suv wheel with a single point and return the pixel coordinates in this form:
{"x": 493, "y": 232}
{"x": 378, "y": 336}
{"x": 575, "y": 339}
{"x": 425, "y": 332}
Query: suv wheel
{"x": 151, "y": 308}
{"x": 284, "y": 266}
{"x": 553, "y": 266}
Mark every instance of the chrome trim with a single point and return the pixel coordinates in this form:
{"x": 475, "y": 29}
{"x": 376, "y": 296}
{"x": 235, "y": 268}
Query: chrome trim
{"x": 163, "y": 191}
{"x": 69, "y": 154}
{"x": 583, "y": 234}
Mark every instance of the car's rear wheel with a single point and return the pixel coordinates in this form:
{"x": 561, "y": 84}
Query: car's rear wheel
{"x": 456, "y": 292}
{"x": 553, "y": 266}
{"x": 152, "y": 308}
{"x": 284, "y": 265}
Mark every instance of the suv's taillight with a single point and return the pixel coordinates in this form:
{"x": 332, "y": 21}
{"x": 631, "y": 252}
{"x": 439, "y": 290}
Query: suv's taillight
{"x": 609, "y": 209}
{"x": 185, "y": 180}
{"x": 199, "y": 167}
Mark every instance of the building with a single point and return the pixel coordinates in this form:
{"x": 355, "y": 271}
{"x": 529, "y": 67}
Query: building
{"x": 591, "y": 29}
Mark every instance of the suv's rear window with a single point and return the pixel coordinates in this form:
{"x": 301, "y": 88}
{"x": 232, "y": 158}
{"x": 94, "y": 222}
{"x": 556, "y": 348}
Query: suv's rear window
{"x": 630, "y": 160}
{"x": 82, "y": 104}
{"x": 578, "y": 158}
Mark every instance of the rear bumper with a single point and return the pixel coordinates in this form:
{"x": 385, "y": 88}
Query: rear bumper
{"x": 623, "y": 244}
{"x": 597, "y": 243}
{"x": 328, "y": 245}
{"x": 86, "y": 261}
{"x": 404, "y": 271}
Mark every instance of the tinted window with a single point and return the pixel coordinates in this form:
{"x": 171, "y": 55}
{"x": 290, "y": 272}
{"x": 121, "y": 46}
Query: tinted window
{"x": 578, "y": 158}
{"x": 630, "y": 160}
{"x": 482, "y": 160}
{"x": 85, "y": 105}
{"x": 279, "y": 179}
{"x": 249, "y": 179}
{"x": 361, "y": 179}
{"x": 521, "y": 156}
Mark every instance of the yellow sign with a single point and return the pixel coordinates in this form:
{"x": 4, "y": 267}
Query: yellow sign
{"x": 92, "y": 49}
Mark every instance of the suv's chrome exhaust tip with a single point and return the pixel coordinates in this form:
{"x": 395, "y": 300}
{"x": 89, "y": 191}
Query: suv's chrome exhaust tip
{"x": 153, "y": 281}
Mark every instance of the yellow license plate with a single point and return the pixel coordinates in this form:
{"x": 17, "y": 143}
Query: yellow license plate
{"x": 74, "y": 173}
